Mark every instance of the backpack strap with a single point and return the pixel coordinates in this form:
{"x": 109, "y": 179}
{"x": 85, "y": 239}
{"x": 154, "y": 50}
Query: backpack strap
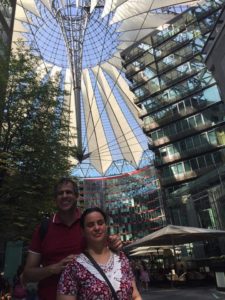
{"x": 44, "y": 228}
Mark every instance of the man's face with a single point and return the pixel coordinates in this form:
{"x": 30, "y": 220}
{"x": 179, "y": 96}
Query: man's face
{"x": 66, "y": 199}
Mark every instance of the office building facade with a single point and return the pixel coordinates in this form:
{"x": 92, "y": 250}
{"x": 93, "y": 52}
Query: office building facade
{"x": 132, "y": 200}
{"x": 183, "y": 114}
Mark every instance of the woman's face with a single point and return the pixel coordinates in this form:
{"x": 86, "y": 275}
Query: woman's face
{"x": 95, "y": 228}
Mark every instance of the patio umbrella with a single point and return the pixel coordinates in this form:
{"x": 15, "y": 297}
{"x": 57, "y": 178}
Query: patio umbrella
{"x": 176, "y": 235}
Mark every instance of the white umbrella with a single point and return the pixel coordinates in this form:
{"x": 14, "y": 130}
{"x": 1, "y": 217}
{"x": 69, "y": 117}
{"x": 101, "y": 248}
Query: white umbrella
{"x": 171, "y": 235}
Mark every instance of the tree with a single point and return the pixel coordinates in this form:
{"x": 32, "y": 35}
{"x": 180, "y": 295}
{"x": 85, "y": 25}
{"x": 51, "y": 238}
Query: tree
{"x": 34, "y": 143}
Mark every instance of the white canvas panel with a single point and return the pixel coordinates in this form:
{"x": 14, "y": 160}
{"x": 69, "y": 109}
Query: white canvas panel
{"x": 111, "y": 5}
{"x": 123, "y": 89}
{"x": 134, "y": 35}
{"x": 18, "y": 26}
{"x": 100, "y": 155}
{"x": 127, "y": 141}
{"x": 93, "y": 4}
{"x": 29, "y": 5}
{"x": 21, "y": 15}
{"x": 145, "y": 21}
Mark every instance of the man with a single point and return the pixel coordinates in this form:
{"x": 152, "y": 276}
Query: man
{"x": 47, "y": 258}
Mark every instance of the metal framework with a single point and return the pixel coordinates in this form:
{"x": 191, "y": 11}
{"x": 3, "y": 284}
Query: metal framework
{"x": 104, "y": 117}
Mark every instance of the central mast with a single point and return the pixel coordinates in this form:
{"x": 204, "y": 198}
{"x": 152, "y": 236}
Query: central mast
{"x": 73, "y": 17}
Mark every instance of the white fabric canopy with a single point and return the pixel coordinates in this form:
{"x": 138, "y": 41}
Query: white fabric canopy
{"x": 176, "y": 235}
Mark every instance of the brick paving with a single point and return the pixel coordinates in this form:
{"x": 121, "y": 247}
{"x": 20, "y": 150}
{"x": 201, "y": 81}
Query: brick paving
{"x": 195, "y": 293}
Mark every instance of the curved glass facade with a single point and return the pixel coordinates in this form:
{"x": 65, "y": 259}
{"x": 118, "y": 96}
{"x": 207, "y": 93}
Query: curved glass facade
{"x": 133, "y": 202}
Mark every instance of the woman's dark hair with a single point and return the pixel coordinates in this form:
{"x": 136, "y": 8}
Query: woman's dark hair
{"x": 89, "y": 211}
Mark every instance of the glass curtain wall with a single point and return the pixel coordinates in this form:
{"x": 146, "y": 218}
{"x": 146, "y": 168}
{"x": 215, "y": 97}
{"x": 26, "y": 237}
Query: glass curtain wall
{"x": 182, "y": 110}
{"x": 133, "y": 201}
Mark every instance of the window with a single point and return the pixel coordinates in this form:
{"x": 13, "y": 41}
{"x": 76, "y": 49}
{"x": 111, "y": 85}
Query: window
{"x": 209, "y": 160}
{"x": 217, "y": 157}
{"x": 187, "y": 166}
{"x": 177, "y": 169}
{"x": 201, "y": 162}
{"x": 203, "y": 138}
{"x": 198, "y": 119}
{"x": 191, "y": 122}
{"x": 181, "y": 106}
{"x": 189, "y": 143}
{"x": 194, "y": 164}
{"x": 212, "y": 137}
{"x": 183, "y": 146}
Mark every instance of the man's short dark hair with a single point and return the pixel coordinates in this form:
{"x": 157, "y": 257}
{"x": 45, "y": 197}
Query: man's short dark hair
{"x": 65, "y": 180}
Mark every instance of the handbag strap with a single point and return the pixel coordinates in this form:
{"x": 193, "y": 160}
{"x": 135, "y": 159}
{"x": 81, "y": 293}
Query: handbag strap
{"x": 96, "y": 265}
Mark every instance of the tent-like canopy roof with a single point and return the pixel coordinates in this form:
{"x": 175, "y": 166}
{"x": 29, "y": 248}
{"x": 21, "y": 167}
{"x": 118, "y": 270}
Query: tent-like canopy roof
{"x": 104, "y": 118}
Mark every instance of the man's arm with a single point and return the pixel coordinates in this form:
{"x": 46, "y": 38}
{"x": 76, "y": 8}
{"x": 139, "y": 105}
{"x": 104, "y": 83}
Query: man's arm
{"x": 33, "y": 272}
{"x": 65, "y": 297}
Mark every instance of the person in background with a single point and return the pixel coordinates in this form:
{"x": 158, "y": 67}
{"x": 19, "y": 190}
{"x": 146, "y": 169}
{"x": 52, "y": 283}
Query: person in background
{"x": 82, "y": 281}
{"x": 48, "y": 257}
{"x": 19, "y": 289}
{"x": 144, "y": 277}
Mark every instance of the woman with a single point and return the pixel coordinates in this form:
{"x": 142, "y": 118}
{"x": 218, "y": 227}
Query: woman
{"x": 82, "y": 281}
{"x": 144, "y": 277}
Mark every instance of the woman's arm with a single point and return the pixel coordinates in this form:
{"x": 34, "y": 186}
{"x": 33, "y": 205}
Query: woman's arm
{"x": 135, "y": 296}
{"x": 65, "y": 297}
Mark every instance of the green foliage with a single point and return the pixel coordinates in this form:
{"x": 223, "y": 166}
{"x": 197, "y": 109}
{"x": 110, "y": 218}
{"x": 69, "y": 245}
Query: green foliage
{"x": 34, "y": 147}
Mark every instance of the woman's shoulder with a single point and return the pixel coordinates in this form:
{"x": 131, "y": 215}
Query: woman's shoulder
{"x": 121, "y": 255}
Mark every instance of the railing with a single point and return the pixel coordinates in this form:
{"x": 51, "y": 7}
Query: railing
{"x": 185, "y": 154}
{"x": 181, "y": 134}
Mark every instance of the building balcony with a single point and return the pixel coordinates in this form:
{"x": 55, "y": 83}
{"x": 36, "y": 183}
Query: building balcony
{"x": 140, "y": 98}
{"x": 132, "y": 56}
{"x": 174, "y": 47}
{"x": 163, "y": 67}
{"x": 170, "y": 117}
{"x": 185, "y": 154}
{"x": 131, "y": 70}
{"x": 171, "y": 80}
{"x": 176, "y": 136}
{"x": 166, "y": 181}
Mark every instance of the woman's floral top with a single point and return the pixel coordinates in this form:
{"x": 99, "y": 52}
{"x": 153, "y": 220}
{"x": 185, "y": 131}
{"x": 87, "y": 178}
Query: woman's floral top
{"x": 80, "y": 278}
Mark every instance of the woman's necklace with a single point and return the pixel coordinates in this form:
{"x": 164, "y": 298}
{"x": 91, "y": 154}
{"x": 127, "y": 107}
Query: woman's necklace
{"x": 108, "y": 266}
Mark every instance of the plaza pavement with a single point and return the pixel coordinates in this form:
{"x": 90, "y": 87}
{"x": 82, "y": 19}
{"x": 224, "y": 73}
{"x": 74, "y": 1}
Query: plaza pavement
{"x": 194, "y": 293}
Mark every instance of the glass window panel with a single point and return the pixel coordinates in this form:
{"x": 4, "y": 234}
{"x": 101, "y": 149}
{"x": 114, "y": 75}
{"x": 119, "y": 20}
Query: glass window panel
{"x": 196, "y": 140}
{"x": 198, "y": 119}
{"x": 217, "y": 157}
{"x": 192, "y": 123}
{"x": 201, "y": 162}
{"x": 187, "y": 166}
{"x": 189, "y": 143}
{"x": 180, "y": 168}
{"x": 181, "y": 106}
{"x": 185, "y": 124}
{"x": 203, "y": 138}
{"x": 209, "y": 160}
{"x": 160, "y": 134}
{"x": 183, "y": 146}
{"x": 212, "y": 137}
{"x": 194, "y": 164}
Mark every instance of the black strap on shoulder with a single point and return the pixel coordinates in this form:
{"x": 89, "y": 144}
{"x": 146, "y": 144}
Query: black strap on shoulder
{"x": 44, "y": 228}
{"x": 95, "y": 264}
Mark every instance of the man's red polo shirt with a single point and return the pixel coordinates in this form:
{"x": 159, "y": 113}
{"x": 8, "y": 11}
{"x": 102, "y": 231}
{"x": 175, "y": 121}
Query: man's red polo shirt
{"x": 60, "y": 241}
